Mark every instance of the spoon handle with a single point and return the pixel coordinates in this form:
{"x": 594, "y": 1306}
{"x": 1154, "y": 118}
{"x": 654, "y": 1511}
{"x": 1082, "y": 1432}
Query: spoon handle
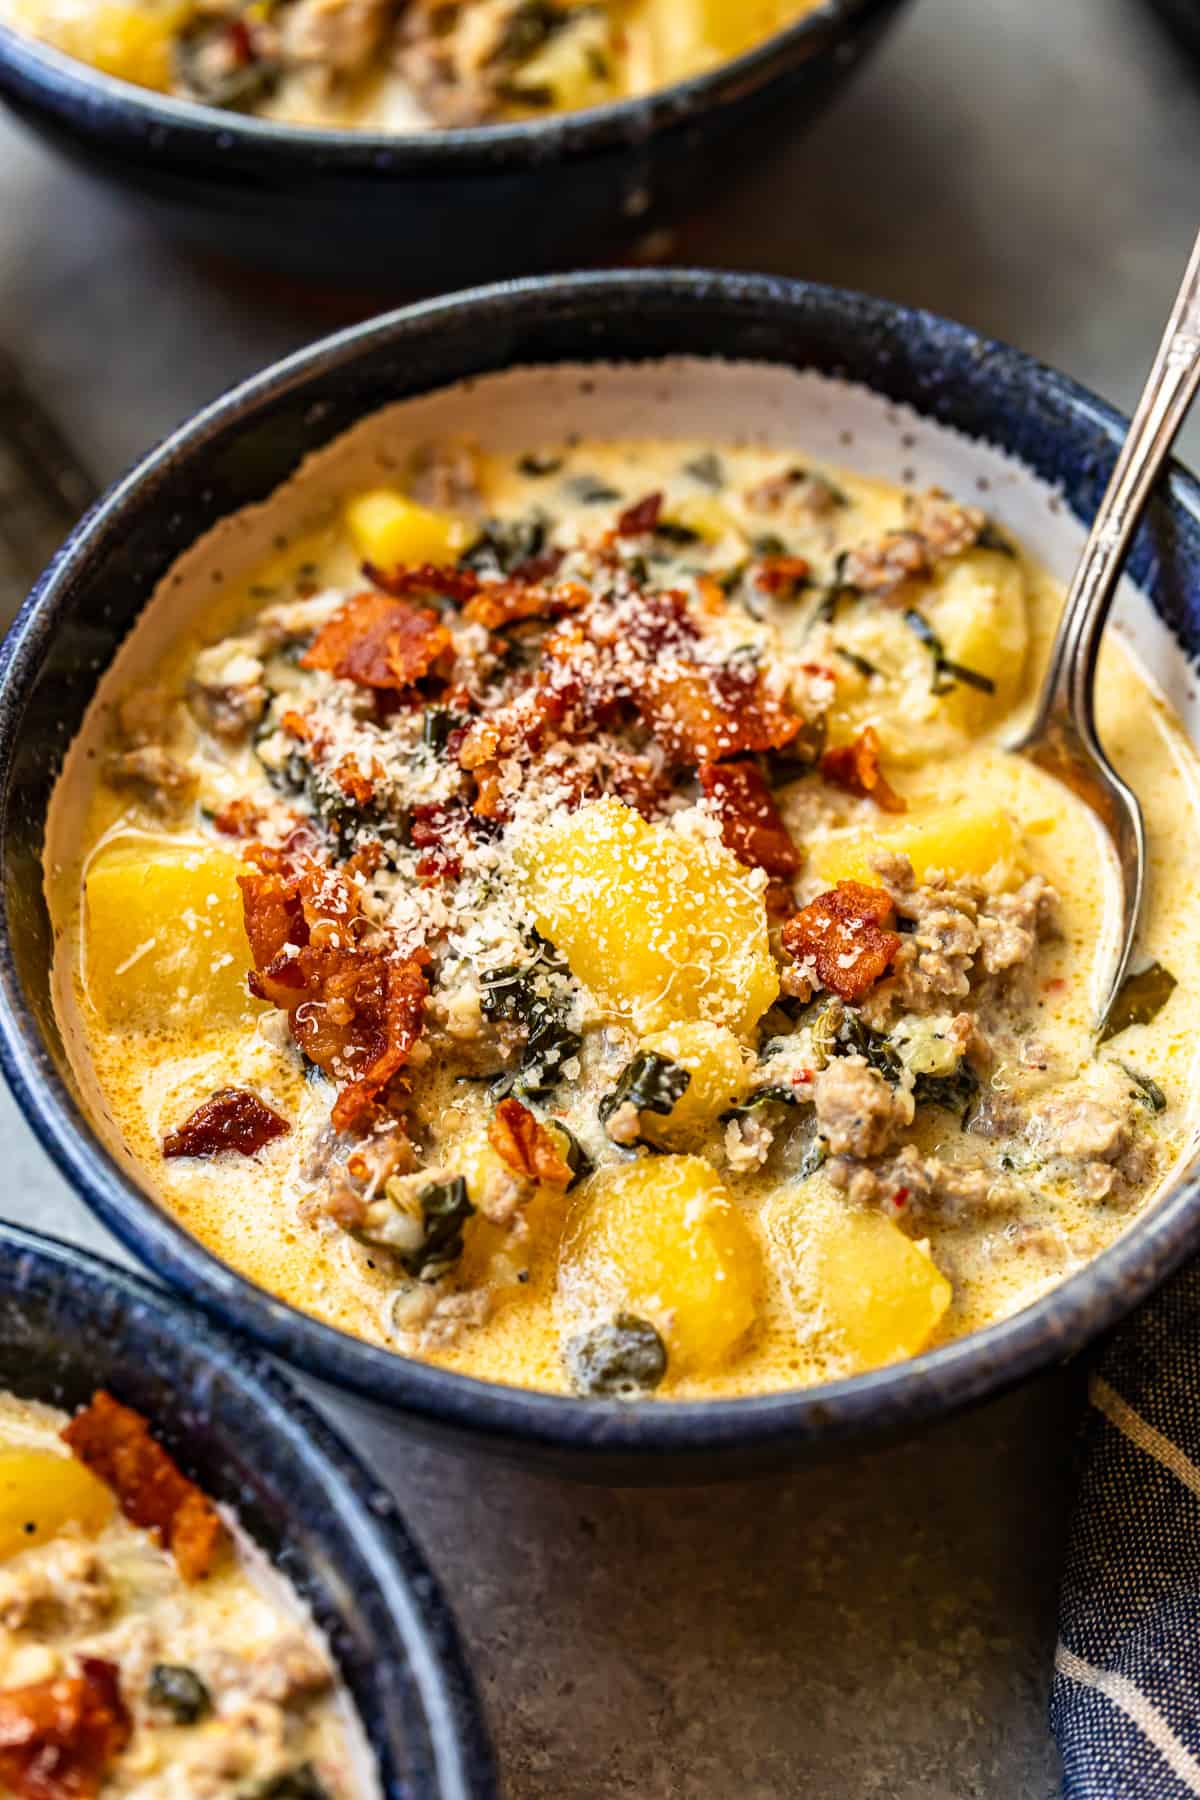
{"x": 1170, "y": 389}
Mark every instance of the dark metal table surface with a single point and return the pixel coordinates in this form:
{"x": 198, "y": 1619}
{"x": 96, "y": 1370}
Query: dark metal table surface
{"x": 881, "y": 1630}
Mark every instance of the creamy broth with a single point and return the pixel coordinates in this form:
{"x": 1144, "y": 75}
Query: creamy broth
{"x": 368, "y": 65}
{"x": 213, "y": 1680}
{"x": 953, "y": 1227}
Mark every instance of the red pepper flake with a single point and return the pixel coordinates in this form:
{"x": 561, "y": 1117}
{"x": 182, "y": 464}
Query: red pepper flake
{"x": 232, "y": 1119}
{"x": 900, "y": 1197}
{"x": 641, "y": 518}
{"x": 855, "y": 767}
{"x": 59, "y": 1737}
{"x": 116, "y": 1444}
{"x": 781, "y": 575}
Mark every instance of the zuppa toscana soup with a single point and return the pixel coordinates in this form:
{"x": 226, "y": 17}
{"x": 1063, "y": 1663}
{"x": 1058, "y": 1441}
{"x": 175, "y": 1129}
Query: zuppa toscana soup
{"x": 377, "y": 65}
{"x": 570, "y": 915}
{"x": 143, "y": 1650}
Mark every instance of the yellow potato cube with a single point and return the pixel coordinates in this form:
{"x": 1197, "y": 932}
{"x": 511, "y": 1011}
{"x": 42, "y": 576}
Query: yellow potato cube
{"x": 42, "y": 1492}
{"x": 133, "y": 42}
{"x": 978, "y": 608}
{"x": 164, "y": 942}
{"x": 389, "y": 529}
{"x": 856, "y": 1273}
{"x": 660, "y": 925}
{"x": 968, "y": 840}
{"x": 492, "y": 1249}
{"x": 660, "y": 1238}
{"x": 690, "y": 35}
{"x": 716, "y": 1064}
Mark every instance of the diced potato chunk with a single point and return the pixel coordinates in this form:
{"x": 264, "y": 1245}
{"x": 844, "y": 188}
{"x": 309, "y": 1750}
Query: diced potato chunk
{"x": 978, "y": 606}
{"x": 661, "y": 1239}
{"x": 133, "y": 42}
{"x": 716, "y": 1064}
{"x": 492, "y": 1250}
{"x": 389, "y": 529}
{"x": 968, "y": 840}
{"x": 660, "y": 925}
{"x": 164, "y": 939}
{"x": 41, "y": 1492}
{"x": 856, "y": 1273}
{"x": 689, "y": 35}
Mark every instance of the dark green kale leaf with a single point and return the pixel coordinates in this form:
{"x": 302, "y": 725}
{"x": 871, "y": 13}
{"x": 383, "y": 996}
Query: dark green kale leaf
{"x": 946, "y": 674}
{"x": 445, "y": 1209}
{"x": 649, "y": 1083}
{"x": 955, "y": 1093}
{"x": 295, "y": 1784}
{"x": 708, "y": 470}
{"x": 511, "y": 995}
{"x": 1147, "y": 1091}
{"x": 538, "y": 466}
{"x": 618, "y": 1360}
{"x": 589, "y": 490}
{"x": 179, "y": 1691}
{"x": 504, "y": 544}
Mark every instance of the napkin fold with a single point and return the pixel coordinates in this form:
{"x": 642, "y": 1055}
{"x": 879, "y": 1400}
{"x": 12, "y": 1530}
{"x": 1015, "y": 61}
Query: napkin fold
{"x": 1125, "y": 1706}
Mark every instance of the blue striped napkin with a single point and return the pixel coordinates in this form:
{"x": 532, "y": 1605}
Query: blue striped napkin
{"x": 1125, "y": 1707}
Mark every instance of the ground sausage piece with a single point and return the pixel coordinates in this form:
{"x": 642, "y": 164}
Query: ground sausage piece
{"x": 1010, "y": 925}
{"x": 1082, "y": 1128}
{"x": 858, "y": 1112}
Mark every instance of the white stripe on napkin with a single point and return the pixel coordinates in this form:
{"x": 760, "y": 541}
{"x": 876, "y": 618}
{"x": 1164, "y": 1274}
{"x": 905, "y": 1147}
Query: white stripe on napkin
{"x": 1134, "y": 1704}
{"x": 1143, "y": 1435}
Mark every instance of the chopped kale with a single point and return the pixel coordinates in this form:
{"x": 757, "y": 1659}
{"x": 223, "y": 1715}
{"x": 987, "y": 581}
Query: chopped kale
{"x": 296, "y": 1784}
{"x": 990, "y": 538}
{"x": 856, "y": 661}
{"x": 619, "y": 1360}
{"x": 708, "y": 470}
{"x": 540, "y": 465}
{"x": 571, "y": 1150}
{"x": 671, "y": 532}
{"x": 768, "y": 544}
{"x": 799, "y": 757}
{"x": 953, "y": 1093}
{"x": 510, "y": 995}
{"x": 439, "y": 722}
{"x": 764, "y": 1096}
{"x": 504, "y": 544}
{"x": 179, "y": 1691}
{"x": 210, "y": 66}
{"x": 445, "y": 1209}
{"x": 589, "y": 490}
{"x": 649, "y": 1083}
{"x": 946, "y": 673}
{"x": 341, "y": 816}
{"x": 1148, "y": 1092}
{"x": 814, "y": 1155}
{"x": 528, "y": 27}
{"x": 1140, "y": 999}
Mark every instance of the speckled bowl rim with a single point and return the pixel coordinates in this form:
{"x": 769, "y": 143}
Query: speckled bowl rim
{"x": 425, "y": 1632}
{"x": 526, "y": 142}
{"x": 894, "y": 1399}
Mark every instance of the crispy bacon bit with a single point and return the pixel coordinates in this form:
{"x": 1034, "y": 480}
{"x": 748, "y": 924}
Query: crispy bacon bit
{"x": 354, "y": 1007}
{"x": 855, "y": 767}
{"x": 843, "y": 935}
{"x": 402, "y": 583}
{"x": 525, "y": 1145}
{"x": 379, "y": 642}
{"x": 296, "y": 725}
{"x": 504, "y": 603}
{"x": 542, "y": 567}
{"x": 704, "y": 713}
{"x": 750, "y": 823}
{"x": 781, "y": 574}
{"x": 114, "y": 1442}
{"x": 58, "y": 1737}
{"x": 353, "y": 783}
{"x": 637, "y": 520}
{"x": 231, "y": 1119}
{"x": 240, "y": 818}
{"x": 429, "y": 828}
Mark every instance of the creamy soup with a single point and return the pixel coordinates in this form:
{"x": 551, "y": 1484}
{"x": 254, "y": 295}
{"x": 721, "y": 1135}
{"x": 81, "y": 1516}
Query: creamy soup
{"x": 145, "y": 1649}
{"x": 570, "y": 915}
{"x": 372, "y": 64}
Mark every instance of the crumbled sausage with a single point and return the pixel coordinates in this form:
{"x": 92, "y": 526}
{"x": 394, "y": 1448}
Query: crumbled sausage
{"x": 859, "y": 1114}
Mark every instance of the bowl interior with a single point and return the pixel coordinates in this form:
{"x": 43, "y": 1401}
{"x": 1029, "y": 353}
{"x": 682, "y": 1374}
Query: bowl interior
{"x": 892, "y": 392}
{"x": 70, "y": 1323}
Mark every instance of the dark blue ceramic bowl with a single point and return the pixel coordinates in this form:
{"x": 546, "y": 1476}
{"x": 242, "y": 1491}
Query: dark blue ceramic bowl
{"x": 70, "y": 1323}
{"x": 237, "y": 452}
{"x": 435, "y": 210}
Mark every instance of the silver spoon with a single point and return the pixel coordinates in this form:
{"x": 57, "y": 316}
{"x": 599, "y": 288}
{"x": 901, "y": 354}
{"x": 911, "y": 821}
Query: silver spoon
{"x": 1062, "y": 738}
